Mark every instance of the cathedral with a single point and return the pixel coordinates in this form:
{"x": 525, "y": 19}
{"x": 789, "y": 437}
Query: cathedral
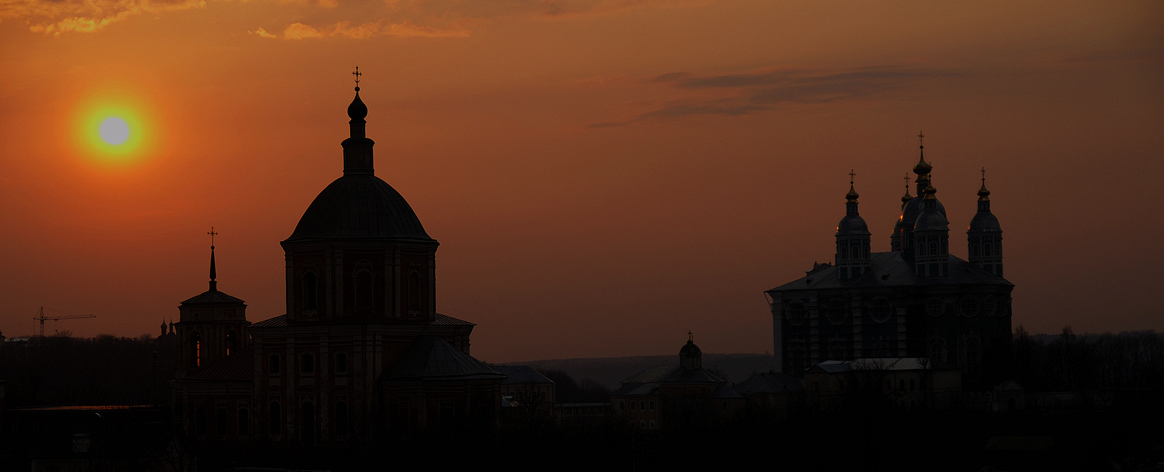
{"x": 361, "y": 353}
{"x": 915, "y": 300}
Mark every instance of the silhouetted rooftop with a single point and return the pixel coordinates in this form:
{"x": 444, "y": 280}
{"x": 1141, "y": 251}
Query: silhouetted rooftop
{"x": 359, "y": 206}
{"x": 212, "y": 296}
{"x": 890, "y": 269}
{"x": 431, "y": 358}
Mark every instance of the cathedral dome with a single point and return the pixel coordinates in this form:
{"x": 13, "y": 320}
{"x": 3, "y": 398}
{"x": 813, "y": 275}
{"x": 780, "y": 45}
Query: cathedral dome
{"x": 985, "y": 221}
{"x": 852, "y": 224}
{"x": 914, "y": 208}
{"x": 359, "y": 206}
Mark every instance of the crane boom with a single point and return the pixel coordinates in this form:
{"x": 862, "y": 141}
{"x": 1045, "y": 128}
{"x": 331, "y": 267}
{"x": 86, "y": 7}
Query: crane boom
{"x": 42, "y": 318}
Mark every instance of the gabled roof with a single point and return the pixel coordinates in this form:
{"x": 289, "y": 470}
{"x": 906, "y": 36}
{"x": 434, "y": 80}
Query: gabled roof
{"x": 212, "y": 296}
{"x": 521, "y": 375}
{"x": 239, "y": 366}
{"x": 648, "y": 381}
{"x": 890, "y": 269}
{"x": 431, "y": 358}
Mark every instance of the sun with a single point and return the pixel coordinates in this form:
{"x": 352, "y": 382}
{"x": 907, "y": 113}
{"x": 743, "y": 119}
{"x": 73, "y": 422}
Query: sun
{"x": 114, "y": 130}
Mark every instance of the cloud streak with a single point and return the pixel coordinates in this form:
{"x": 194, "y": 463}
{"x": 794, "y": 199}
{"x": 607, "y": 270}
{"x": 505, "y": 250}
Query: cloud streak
{"x": 85, "y": 16}
{"x": 745, "y": 94}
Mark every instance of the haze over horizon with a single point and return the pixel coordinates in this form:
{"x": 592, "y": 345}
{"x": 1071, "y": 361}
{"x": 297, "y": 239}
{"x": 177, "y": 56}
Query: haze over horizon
{"x": 603, "y": 176}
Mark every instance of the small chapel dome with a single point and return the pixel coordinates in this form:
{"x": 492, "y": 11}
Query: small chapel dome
{"x": 690, "y": 349}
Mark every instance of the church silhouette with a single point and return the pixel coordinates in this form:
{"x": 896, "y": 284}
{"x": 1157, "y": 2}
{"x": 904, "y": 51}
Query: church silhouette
{"x": 361, "y": 352}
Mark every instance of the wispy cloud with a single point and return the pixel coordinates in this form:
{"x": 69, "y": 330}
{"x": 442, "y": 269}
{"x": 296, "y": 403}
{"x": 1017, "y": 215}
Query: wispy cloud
{"x": 297, "y": 31}
{"x": 748, "y": 93}
{"x": 55, "y": 17}
{"x": 402, "y": 18}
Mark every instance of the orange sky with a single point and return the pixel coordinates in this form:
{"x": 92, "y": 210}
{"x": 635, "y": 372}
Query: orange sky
{"x": 603, "y": 175}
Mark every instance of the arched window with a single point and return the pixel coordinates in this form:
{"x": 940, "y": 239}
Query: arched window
{"x": 244, "y": 422}
{"x": 844, "y": 251}
{"x": 974, "y": 250}
{"x": 938, "y": 350}
{"x": 364, "y": 289}
{"x": 231, "y": 342}
{"x": 310, "y": 300}
{"x": 275, "y": 418}
{"x": 933, "y": 248}
{"x": 307, "y": 363}
{"x": 341, "y": 362}
{"x": 196, "y": 348}
{"x": 987, "y": 249}
{"x": 414, "y": 290}
{"x": 199, "y": 422}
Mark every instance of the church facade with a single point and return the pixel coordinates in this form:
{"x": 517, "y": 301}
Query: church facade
{"x": 915, "y": 300}
{"x": 361, "y": 352}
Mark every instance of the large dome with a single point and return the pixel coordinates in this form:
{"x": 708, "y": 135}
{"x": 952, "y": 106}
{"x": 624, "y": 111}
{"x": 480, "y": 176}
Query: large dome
{"x": 359, "y": 206}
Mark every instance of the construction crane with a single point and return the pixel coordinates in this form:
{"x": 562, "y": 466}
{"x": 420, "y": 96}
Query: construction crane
{"x": 42, "y": 318}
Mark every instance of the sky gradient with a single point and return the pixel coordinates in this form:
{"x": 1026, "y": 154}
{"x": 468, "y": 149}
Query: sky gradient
{"x": 603, "y": 176}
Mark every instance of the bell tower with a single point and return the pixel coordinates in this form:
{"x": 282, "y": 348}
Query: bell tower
{"x": 212, "y": 325}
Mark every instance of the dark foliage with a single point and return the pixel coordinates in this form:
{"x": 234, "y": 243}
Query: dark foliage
{"x": 105, "y": 370}
{"x": 1069, "y": 362}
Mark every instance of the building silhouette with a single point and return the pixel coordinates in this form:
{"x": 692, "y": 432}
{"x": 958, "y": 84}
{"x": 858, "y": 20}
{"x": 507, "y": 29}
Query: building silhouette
{"x": 915, "y": 300}
{"x": 361, "y": 352}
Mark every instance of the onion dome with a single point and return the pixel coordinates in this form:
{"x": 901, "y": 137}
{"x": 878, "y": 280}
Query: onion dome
{"x": 357, "y": 110}
{"x": 931, "y": 219}
{"x": 852, "y": 223}
{"x": 984, "y": 220}
{"x": 922, "y": 166}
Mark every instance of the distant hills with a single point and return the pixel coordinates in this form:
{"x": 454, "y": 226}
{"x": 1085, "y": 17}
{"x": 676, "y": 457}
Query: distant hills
{"x": 609, "y": 371}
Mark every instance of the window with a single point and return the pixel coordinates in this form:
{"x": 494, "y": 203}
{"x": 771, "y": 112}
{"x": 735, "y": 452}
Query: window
{"x": 634, "y": 405}
{"x": 652, "y": 405}
{"x": 244, "y": 421}
{"x": 364, "y": 289}
{"x": 341, "y": 362}
{"x": 196, "y": 346}
{"x": 307, "y": 364}
{"x": 231, "y": 342}
{"x": 199, "y": 422}
{"x": 273, "y": 366}
{"x": 414, "y": 291}
{"x": 310, "y": 300}
{"x": 275, "y": 418}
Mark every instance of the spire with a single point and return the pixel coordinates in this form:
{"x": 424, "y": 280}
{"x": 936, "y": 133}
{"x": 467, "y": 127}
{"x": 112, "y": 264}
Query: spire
{"x": 851, "y": 197}
{"x": 922, "y": 166}
{"x": 358, "y": 148}
{"x": 907, "y": 197}
{"x": 213, "y": 271}
{"x": 983, "y": 194}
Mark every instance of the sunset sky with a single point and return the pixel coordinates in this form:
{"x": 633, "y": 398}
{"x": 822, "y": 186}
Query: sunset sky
{"x": 603, "y": 175}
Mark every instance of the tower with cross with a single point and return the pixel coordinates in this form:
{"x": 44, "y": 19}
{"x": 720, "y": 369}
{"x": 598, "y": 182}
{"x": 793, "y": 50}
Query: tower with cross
{"x": 211, "y": 325}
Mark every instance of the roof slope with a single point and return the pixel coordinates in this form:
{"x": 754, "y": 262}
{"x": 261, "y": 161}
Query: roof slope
{"x": 890, "y": 269}
{"x": 431, "y": 358}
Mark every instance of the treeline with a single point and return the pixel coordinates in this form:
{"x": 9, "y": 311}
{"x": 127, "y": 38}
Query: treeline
{"x": 104, "y": 370}
{"x": 1068, "y": 362}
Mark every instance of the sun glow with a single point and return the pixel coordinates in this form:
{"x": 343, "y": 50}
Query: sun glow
{"x": 113, "y": 131}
